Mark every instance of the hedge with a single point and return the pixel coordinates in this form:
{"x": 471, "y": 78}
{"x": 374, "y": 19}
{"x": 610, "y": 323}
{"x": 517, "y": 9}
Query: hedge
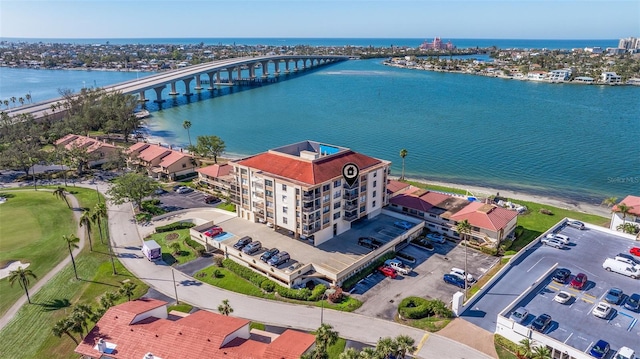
{"x": 415, "y": 308}
{"x": 244, "y": 272}
{"x": 199, "y": 248}
{"x": 506, "y": 343}
{"x": 174, "y": 226}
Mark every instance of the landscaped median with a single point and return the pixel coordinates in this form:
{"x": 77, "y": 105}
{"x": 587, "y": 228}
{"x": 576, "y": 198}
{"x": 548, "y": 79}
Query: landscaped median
{"x": 176, "y": 243}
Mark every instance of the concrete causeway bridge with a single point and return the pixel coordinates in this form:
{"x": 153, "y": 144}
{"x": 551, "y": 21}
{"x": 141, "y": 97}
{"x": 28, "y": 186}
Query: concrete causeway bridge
{"x": 213, "y": 70}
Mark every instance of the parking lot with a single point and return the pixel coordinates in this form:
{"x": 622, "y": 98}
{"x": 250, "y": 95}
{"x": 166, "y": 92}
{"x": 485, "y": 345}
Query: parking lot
{"x": 381, "y": 294}
{"x": 572, "y": 323}
{"x": 172, "y": 201}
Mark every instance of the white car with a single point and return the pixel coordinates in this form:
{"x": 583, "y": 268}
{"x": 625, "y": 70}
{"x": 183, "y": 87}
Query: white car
{"x": 625, "y": 353}
{"x": 553, "y": 242}
{"x": 461, "y": 274}
{"x": 602, "y": 310}
{"x": 398, "y": 266}
{"x": 436, "y": 237}
{"x": 561, "y": 237}
{"x": 519, "y": 315}
{"x": 562, "y": 297}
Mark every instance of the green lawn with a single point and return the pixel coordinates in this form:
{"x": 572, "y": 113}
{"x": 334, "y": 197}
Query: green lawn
{"x": 336, "y": 349}
{"x": 28, "y": 234}
{"x": 228, "y": 207}
{"x": 164, "y": 239}
{"x": 33, "y": 323}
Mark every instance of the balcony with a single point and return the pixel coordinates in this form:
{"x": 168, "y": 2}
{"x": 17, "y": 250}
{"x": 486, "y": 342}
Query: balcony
{"x": 350, "y": 216}
{"x": 349, "y": 196}
{"x": 349, "y": 206}
{"x": 308, "y": 197}
{"x": 307, "y": 209}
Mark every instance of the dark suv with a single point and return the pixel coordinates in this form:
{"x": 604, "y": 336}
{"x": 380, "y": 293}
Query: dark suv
{"x": 541, "y": 323}
{"x": 268, "y": 254}
{"x": 242, "y": 242}
{"x": 278, "y": 259}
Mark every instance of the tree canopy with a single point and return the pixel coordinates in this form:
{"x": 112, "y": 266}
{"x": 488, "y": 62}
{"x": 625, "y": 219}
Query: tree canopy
{"x": 132, "y": 187}
{"x": 209, "y": 146}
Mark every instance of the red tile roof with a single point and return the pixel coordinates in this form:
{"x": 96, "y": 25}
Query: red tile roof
{"x": 486, "y": 216}
{"x": 216, "y": 170}
{"x": 631, "y": 201}
{"x": 306, "y": 171}
{"x": 137, "y": 147}
{"x": 153, "y": 152}
{"x": 417, "y": 199}
{"x": 198, "y": 335}
{"x": 172, "y": 158}
{"x": 70, "y": 141}
{"x": 394, "y": 186}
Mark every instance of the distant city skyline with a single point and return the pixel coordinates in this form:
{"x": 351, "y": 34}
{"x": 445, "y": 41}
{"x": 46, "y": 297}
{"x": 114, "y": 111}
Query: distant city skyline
{"x": 506, "y": 19}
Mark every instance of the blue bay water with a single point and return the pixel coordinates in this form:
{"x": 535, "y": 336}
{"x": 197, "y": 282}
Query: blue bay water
{"x": 574, "y": 142}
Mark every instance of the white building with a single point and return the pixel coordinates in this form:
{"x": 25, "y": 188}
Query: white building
{"x": 611, "y": 78}
{"x": 559, "y": 75}
{"x": 300, "y": 188}
{"x": 632, "y": 217}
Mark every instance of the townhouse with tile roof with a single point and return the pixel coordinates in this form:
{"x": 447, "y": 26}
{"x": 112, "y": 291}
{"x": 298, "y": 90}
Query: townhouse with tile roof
{"x": 300, "y": 188}
{"x": 219, "y": 178}
{"x": 161, "y": 162}
{"x": 99, "y": 151}
{"x": 142, "y": 329}
{"x": 490, "y": 224}
{"x": 633, "y": 216}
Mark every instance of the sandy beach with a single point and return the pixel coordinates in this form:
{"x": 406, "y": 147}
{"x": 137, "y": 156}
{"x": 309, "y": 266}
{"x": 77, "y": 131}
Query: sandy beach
{"x": 550, "y": 201}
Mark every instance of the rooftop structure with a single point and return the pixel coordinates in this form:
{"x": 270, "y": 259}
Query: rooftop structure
{"x": 142, "y": 329}
{"x": 98, "y": 150}
{"x": 161, "y": 162}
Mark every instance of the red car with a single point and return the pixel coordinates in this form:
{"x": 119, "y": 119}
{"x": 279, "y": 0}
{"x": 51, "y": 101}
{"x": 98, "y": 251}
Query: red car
{"x": 213, "y": 231}
{"x": 635, "y": 251}
{"x": 388, "y": 271}
{"x": 579, "y": 281}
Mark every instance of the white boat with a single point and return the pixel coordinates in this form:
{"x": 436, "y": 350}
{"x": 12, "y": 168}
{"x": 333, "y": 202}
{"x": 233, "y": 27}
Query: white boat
{"x": 142, "y": 114}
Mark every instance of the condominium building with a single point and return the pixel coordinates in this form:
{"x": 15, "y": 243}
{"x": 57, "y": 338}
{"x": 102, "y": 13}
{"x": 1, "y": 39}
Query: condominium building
{"x": 300, "y": 188}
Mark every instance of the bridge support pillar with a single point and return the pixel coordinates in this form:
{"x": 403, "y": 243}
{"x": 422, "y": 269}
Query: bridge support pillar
{"x": 158, "y": 91}
{"x": 186, "y": 86}
{"x": 141, "y": 97}
{"x": 173, "y": 89}
{"x": 277, "y": 68}
{"x": 239, "y": 73}
{"x": 265, "y": 69}
{"x": 218, "y": 78}
{"x": 252, "y": 71}
{"x": 230, "y": 78}
{"x": 211, "y": 74}
{"x": 198, "y": 83}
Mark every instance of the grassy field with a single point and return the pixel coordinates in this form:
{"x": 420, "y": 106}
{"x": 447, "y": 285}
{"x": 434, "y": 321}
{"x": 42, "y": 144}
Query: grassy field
{"x": 27, "y": 234}
{"x": 33, "y": 323}
{"x": 164, "y": 239}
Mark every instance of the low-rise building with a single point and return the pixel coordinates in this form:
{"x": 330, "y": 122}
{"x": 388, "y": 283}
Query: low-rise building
{"x": 610, "y": 78}
{"x": 142, "y": 329}
{"x": 218, "y": 178}
{"x": 559, "y": 75}
{"x": 161, "y": 162}
{"x": 99, "y": 151}
{"x": 631, "y": 216}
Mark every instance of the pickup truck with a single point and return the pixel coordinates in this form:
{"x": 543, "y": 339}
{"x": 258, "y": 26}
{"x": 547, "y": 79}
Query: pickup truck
{"x": 398, "y": 266}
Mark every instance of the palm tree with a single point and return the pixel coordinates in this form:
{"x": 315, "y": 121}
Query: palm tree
{"x": 541, "y": 352}
{"x": 83, "y": 312}
{"x": 624, "y": 210}
{"x": 368, "y": 353}
{"x": 99, "y": 212}
{"x": 525, "y": 349}
{"x": 325, "y": 337}
{"x": 72, "y": 242}
{"x": 28, "y": 97}
{"x": 350, "y": 353}
{"x": 187, "y": 125}
{"x": 85, "y": 220}
{"x": 225, "y": 308}
{"x": 63, "y": 326}
{"x": 61, "y": 193}
{"x": 464, "y": 229}
{"x": 108, "y": 299}
{"x": 610, "y": 201}
{"x": 405, "y": 344}
{"x": 22, "y": 277}
{"x": 127, "y": 289}
{"x": 386, "y": 347}
{"x": 403, "y": 154}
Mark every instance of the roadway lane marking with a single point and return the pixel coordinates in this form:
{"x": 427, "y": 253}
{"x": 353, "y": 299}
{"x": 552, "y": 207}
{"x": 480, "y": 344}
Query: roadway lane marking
{"x": 569, "y": 337}
{"x": 422, "y": 341}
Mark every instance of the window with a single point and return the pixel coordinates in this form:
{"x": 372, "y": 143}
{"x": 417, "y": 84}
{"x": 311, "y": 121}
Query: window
{"x": 336, "y": 215}
{"x": 363, "y": 198}
{"x": 269, "y": 215}
{"x": 284, "y": 198}
{"x": 336, "y": 205}
{"x": 284, "y": 187}
{"x": 337, "y": 194}
{"x": 337, "y": 183}
{"x": 245, "y": 191}
{"x": 284, "y": 220}
{"x": 269, "y": 204}
{"x": 268, "y": 183}
{"x": 374, "y": 193}
{"x": 374, "y": 204}
{"x": 362, "y": 209}
{"x": 325, "y": 209}
{"x": 243, "y": 171}
{"x": 375, "y": 184}
{"x": 326, "y": 198}
{"x": 326, "y": 187}
{"x": 375, "y": 174}
{"x": 268, "y": 193}
{"x": 244, "y": 181}
{"x": 285, "y": 209}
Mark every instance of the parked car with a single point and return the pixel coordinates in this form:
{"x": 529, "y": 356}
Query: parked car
{"x": 252, "y": 247}
{"x": 211, "y": 199}
{"x": 175, "y": 188}
{"x": 388, "y": 271}
{"x": 159, "y": 191}
{"x": 461, "y": 273}
{"x": 600, "y": 349}
{"x": 619, "y": 267}
{"x": 293, "y": 267}
{"x": 561, "y": 275}
{"x": 454, "y": 279}
{"x": 519, "y": 315}
{"x": 436, "y": 237}
{"x": 398, "y": 266}
{"x": 579, "y": 281}
{"x": 214, "y": 231}
{"x": 561, "y": 237}
{"x": 552, "y": 242}
{"x": 403, "y": 225}
{"x": 183, "y": 190}
{"x": 635, "y": 251}
{"x": 576, "y": 224}
{"x": 279, "y": 259}
{"x": 268, "y": 254}
{"x": 242, "y": 242}
{"x": 633, "y": 302}
{"x": 541, "y": 323}
{"x": 626, "y": 258}
{"x": 625, "y": 353}
{"x": 602, "y": 310}
{"x": 367, "y": 242}
{"x": 614, "y": 295}
{"x": 562, "y": 297}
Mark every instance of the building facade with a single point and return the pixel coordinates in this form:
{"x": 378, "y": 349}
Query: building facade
{"x": 98, "y": 151}
{"x": 161, "y": 162}
{"x": 300, "y": 188}
{"x": 632, "y": 217}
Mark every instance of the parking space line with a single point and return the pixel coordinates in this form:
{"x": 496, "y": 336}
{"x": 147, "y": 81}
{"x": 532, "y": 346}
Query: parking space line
{"x": 552, "y": 287}
{"x": 625, "y": 314}
{"x": 569, "y": 337}
{"x": 589, "y": 295}
{"x": 586, "y": 300}
{"x": 633, "y": 323}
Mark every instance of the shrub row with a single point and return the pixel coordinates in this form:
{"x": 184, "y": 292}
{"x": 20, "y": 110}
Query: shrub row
{"x": 244, "y": 272}
{"x": 353, "y": 280}
{"x": 199, "y": 248}
{"x": 414, "y": 308}
{"x": 174, "y": 226}
{"x": 506, "y": 343}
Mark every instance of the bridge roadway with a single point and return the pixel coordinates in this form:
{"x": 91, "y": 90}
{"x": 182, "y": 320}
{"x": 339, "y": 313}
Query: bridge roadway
{"x": 159, "y": 82}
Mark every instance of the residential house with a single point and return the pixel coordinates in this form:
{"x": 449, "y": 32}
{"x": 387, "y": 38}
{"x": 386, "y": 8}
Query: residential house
{"x": 300, "y": 187}
{"x": 142, "y": 329}
{"x": 633, "y": 216}
{"x": 537, "y": 76}
{"x": 161, "y": 162}
{"x": 610, "y": 78}
{"x": 99, "y": 151}
{"x": 442, "y": 212}
{"x": 559, "y": 75}
{"x": 218, "y": 178}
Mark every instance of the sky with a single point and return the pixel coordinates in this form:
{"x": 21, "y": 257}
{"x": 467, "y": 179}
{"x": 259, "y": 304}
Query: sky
{"x": 506, "y": 19}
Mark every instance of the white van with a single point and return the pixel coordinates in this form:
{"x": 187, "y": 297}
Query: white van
{"x": 613, "y": 265}
{"x": 625, "y": 353}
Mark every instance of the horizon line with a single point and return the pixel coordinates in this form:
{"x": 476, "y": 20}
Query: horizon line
{"x": 284, "y": 37}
